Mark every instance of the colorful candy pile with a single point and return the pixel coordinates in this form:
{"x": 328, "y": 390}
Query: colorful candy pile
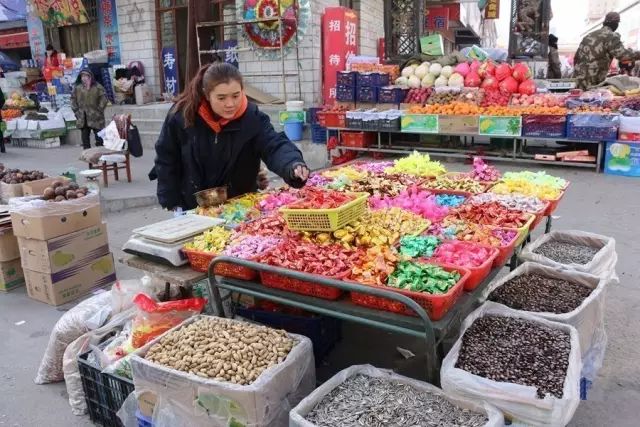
{"x": 247, "y": 247}
{"x": 349, "y": 172}
{"x": 510, "y": 201}
{"x": 375, "y": 168}
{"x": 527, "y": 188}
{"x": 278, "y": 199}
{"x": 317, "y": 180}
{"x": 374, "y": 266}
{"x": 417, "y": 164}
{"x": 397, "y": 220}
{"x": 269, "y": 225}
{"x": 484, "y": 172}
{"x": 450, "y": 200}
{"x": 419, "y": 246}
{"x": 491, "y": 214}
{"x": 357, "y": 233}
{"x": 538, "y": 178}
{"x": 213, "y": 240}
{"x": 420, "y": 277}
{"x": 313, "y": 198}
{"x": 462, "y": 254}
{"x": 414, "y": 200}
{"x": 377, "y": 185}
{"x": 459, "y": 182}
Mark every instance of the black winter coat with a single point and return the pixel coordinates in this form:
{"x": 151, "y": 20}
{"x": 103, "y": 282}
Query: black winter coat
{"x": 192, "y": 159}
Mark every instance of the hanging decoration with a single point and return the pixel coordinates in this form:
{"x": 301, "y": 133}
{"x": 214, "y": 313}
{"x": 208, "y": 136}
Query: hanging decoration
{"x": 265, "y": 36}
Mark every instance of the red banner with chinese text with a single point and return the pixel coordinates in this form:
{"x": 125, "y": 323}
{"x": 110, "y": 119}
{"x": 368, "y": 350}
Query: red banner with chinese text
{"x": 339, "y": 42}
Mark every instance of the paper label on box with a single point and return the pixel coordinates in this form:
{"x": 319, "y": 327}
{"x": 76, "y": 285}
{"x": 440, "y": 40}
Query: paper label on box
{"x": 420, "y": 123}
{"x": 500, "y": 126}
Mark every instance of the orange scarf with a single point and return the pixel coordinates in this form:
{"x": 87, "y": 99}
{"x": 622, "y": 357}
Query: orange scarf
{"x": 209, "y": 117}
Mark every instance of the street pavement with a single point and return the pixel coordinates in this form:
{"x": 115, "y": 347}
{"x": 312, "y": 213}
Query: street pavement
{"x": 599, "y": 203}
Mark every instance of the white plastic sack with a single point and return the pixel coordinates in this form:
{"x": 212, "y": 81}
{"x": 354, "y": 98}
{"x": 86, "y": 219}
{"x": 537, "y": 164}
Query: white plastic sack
{"x": 73, "y": 324}
{"x": 123, "y": 292}
{"x": 111, "y": 137}
{"x": 81, "y": 345}
{"x": 298, "y": 414}
{"x": 603, "y": 263}
{"x": 588, "y": 318}
{"x": 38, "y": 208}
{"x": 514, "y": 400}
{"x": 191, "y": 401}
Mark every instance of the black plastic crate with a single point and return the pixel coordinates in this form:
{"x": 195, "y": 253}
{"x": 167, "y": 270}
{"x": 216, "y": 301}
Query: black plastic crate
{"x": 347, "y": 78}
{"x": 372, "y": 125}
{"x": 389, "y": 125}
{"x": 373, "y": 79}
{"x": 104, "y": 393}
{"x": 391, "y": 95}
{"x": 323, "y": 331}
{"x": 319, "y": 134}
{"x": 312, "y": 115}
{"x": 367, "y": 94}
{"x": 354, "y": 123}
{"x": 346, "y": 93}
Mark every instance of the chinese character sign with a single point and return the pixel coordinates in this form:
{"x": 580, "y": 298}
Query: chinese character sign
{"x": 492, "y": 9}
{"x": 231, "y": 52}
{"x": 108, "y": 22}
{"x": 339, "y": 42}
{"x": 36, "y": 34}
{"x": 170, "y": 68}
{"x": 437, "y": 18}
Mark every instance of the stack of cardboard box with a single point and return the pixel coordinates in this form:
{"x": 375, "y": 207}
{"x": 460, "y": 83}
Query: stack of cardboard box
{"x": 11, "y": 275}
{"x": 64, "y": 248}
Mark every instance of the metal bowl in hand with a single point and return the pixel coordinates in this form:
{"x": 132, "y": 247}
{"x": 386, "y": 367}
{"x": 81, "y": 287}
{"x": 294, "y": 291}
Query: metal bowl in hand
{"x": 211, "y": 197}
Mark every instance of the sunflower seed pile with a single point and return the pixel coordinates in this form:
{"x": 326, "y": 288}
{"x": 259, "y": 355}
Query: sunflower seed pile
{"x": 364, "y": 401}
{"x": 566, "y": 253}
{"x": 535, "y": 292}
{"x": 510, "y": 350}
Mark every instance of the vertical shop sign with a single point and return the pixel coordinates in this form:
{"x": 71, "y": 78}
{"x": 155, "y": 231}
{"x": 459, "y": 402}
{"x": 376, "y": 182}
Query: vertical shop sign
{"x": 36, "y": 34}
{"x": 231, "y": 52}
{"x": 492, "y": 9}
{"x": 339, "y": 42}
{"x": 437, "y": 18}
{"x": 170, "y": 68}
{"x": 108, "y": 21}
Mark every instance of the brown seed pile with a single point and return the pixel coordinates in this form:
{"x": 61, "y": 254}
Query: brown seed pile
{"x": 222, "y": 349}
{"x": 566, "y": 253}
{"x": 510, "y": 350}
{"x": 535, "y": 292}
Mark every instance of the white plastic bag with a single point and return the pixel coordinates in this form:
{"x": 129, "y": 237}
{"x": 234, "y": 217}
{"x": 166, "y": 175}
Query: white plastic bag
{"x": 79, "y": 346}
{"x": 588, "y": 318}
{"x": 123, "y": 292}
{"x": 111, "y": 137}
{"x": 603, "y": 263}
{"x": 183, "y": 399}
{"x": 298, "y": 414}
{"x": 73, "y": 324}
{"x": 514, "y": 400}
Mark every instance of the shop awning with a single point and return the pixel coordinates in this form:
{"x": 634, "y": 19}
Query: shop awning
{"x": 14, "y": 40}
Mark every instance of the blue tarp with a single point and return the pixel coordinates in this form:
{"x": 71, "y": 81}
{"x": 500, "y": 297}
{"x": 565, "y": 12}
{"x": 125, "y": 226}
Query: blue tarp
{"x": 13, "y": 10}
{"x": 7, "y": 63}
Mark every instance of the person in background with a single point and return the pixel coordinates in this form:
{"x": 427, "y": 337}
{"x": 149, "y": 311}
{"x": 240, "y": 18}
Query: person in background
{"x": 213, "y": 136}
{"x": 554, "y": 69}
{"x": 88, "y": 102}
{"x": 597, "y": 50}
{"x": 51, "y": 57}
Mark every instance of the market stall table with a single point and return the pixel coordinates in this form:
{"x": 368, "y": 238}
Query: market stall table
{"x": 433, "y": 332}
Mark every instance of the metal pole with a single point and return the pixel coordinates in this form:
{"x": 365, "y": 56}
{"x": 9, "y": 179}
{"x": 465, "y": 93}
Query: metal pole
{"x": 298, "y": 54}
{"x": 198, "y": 42}
{"x": 280, "y": 24}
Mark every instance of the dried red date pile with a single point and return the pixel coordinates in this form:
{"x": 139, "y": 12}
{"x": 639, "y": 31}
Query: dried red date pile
{"x": 511, "y": 350}
{"x": 535, "y": 292}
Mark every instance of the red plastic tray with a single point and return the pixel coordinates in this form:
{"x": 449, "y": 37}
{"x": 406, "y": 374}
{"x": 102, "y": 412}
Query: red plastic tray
{"x": 539, "y": 215}
{"x": 357, "y": 139}
{"x": 476, "y": 274}
{"x": 200, "y": 261}
{"x": 436, "y": 306}
{"x": 505, "y": 252}
{"x": 553, "y": 204}
{"x": 277, "y": 281}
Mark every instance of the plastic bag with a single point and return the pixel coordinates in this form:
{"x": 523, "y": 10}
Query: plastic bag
{"x": 192, "y": 401}
{"x": 73, "y": 324}
{"x": 79, "y": 346}
{"x": 115, "y": 349}
{"x": 588, "y": 318}
{"x": 603, "y": 263}
{"x": 123, "y": 291}
{"x": 153, "y": 318}
{"x": 39, "y": 208}
{"x": 298, "y": 414}
{"x": 514, "y": 400}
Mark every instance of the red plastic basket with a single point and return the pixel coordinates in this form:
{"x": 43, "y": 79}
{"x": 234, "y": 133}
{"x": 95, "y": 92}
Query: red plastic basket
{"x": 436, "y": 306}
{"x": 277, "y": 281}
{"x": 539, "y": 215}
{"x": 357, "y": 139}
{"x": 478, "y": 274}
{"x": 553, "y": 204}
{"x": 329, "y": 119}
{"x": 505, "y": 251}
{"x": 200, "y": 261}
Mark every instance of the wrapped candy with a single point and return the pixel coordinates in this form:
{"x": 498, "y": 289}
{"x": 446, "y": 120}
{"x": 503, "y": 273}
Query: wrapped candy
{"x": 375, "y": 168}
{"x": 272, "y": 224}
{"x": 462, "y": 254}
{"x": 317, "y": 180}
{"x": 459, "y": 182}
{"x": 397, "y": 220}
{"x": 418, "y": 246}
{"x": 213, "y": 240}
{"x": 491, "y": 214}
{"x": 247, "y": 247}
{"x": 527, "y": 188}
{"x": 450, "y": 200}
{"x": 510, "y": 201}
{"x": 419, "y": 277}
{"x": 414, "y": 200}
{"x": 417, "y": 164}
{"x": 347, "y": 172}
{"x": 273, "y": 201}
{"x": 483, "y": 172}
{"x": 537, "y": 178}
{"x": 374, "y": 266}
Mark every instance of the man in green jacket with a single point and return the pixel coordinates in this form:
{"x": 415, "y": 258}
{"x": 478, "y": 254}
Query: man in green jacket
{"x": 88, "y": 101}
{"x": 597, "y": 50}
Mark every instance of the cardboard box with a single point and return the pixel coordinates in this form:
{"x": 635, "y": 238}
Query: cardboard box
{"x": 9, "y": 191}
{"x": 36, "y": 188}
{"x": 572, "y": 153}
{"x": 72, "y": 283}
{"x": 585, "y": 159}
{"x": 8, "y": 246}
{"x": 54, "y": 255}
{"x": 11, "y": 275}
{"x": 547, "y": 157}
{"x": 48, "y": 227}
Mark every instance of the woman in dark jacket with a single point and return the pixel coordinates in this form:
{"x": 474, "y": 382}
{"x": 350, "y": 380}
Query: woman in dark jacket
{"x": 213, "y": 137}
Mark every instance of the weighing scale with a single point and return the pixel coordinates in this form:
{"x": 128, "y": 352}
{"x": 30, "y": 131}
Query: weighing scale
{"x": 163, "y": 242}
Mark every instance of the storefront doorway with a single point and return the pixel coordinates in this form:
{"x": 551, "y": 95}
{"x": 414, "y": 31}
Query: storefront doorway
{"x": 172, "y": 23}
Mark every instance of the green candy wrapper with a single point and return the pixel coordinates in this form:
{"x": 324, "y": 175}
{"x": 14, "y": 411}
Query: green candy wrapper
{"x": 419, "y": 246}
{"x": 418, "y": 277}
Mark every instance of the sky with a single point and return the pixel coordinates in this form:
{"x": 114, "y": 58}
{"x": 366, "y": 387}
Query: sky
{"x": 567, "y": 23}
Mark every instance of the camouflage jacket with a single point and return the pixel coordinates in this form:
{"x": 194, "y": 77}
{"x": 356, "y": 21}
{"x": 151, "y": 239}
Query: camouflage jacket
{"x": 594, "y": 56}
{"x": 89, "y": 105}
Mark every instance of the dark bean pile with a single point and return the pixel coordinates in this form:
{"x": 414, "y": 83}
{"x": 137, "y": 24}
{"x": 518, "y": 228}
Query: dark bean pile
{"x": 566, "y": 253}
{"x": 535, "y": 292}
{"x": 511, "y": 350}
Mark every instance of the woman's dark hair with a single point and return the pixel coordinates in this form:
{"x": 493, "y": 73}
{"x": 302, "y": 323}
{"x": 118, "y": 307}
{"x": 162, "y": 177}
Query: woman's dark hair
{"x": 208, "y": 77}
{"x": 50, "y": 47}
{"x": 553, "y": 41}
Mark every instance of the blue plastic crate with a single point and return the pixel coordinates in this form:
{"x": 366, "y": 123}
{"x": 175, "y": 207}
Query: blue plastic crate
{"x": 347, "y": 78}
{"x": 319, "y": 134}
{"x": 367, "y": 94}
{"x": 346, "y": 93}
{"x": 593, "y": 127}
{"x": 391, "y": 95}
{"x": 373, "y": 79}
{"x": 323, "y": 331}
{"x": 312, "y": 115}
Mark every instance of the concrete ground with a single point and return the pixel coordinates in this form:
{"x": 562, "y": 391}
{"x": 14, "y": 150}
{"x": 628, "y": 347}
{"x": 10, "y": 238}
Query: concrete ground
{"x": 603, "y": 204}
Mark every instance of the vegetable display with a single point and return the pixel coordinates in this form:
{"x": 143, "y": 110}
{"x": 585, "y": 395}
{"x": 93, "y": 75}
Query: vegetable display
{"x": 60, "y": 191}
{"x": 17, "y": 176}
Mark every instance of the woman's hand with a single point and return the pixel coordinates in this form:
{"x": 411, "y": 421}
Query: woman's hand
{"x": 263, "y": 179}
{"x": 301, "y": 172}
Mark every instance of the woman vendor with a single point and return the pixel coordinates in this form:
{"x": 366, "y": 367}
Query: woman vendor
{"x": 213, "y": 137}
